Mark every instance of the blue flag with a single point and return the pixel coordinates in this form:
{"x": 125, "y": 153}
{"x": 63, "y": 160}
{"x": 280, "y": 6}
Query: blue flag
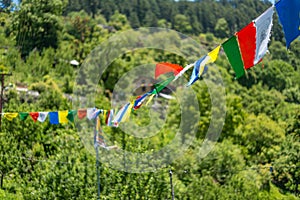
{"x": 289, "y": 16}
{"x": 53, "y": 117}
{"x": 199, "y": 70}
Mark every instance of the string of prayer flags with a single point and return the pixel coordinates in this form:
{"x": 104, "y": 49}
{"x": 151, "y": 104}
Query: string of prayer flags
{"x": 23, "y": 115}
{"x": 53, "y": 118}
{"x": 10, "y": 116}
{"x": 244, "y": 50}
{"x": 247, "y": 47}
{"x": 42, "y": 116}
{"x": 34, "y": 116}
{"x": 289, "y": 17}
{"x": 163, "y": 68}
{"x": 62, "y": 116}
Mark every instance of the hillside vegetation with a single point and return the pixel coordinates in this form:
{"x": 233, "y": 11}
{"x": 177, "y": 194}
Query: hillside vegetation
{"x": 256, "y": 157}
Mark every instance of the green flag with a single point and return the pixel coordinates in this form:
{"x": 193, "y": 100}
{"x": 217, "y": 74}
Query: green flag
{"x": 234, "y": 56}
{"x": 71, "y": 115}
{"x": 161, "y": 85}
{"x": 23, "y": 115}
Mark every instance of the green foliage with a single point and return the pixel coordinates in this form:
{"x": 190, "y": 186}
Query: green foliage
{"x": 222, "y": 29}
{"x": 256, "y": 157}
{"x": 261, "y": 137}
{"x": 37, "y": 24}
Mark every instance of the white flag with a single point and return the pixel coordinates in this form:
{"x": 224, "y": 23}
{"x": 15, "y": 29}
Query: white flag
{"x": 263, "y": 26}
{"x": 42, "y": 116}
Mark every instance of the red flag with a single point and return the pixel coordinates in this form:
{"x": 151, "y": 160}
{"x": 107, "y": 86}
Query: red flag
{"x": 34, "y": 116}
{"x": 81, "y": 113}
{"x": 163, "y": 68}
{"x": 247, "y": 42}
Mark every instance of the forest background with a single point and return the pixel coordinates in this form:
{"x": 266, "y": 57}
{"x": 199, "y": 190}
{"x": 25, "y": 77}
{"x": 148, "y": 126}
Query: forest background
{"x": 256, "y": 157}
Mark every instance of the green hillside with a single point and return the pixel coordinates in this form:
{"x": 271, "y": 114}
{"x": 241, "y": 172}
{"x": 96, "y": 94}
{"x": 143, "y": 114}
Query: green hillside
{"x": 256, "y": 156}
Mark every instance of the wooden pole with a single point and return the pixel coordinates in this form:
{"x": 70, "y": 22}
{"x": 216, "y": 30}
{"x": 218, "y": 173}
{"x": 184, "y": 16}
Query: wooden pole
{"x": 171, "y": 184}
{"x": 98, "y": 173}
{"x": 97, "y": 158}
{"x": 1, "y": 95}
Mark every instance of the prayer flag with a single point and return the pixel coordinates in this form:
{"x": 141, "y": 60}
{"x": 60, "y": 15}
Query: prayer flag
{"x": 23, "y": 115}
{"x": 200, "y": 65}
{"x": 89, "y": 113}
{"x": 92, "y": 113}
{"x": 110, "y": 115}
{"x": 150, "y": 99}
{"x": 34, "y": 116}
{"x": 139, "y": 101}
{"x": 10, "y": 116}
{"x": 289, "y": 17}
{"x": 263, "y": 25}
{"x": 127, "y": 113}
{"x": 98, "y": 136}
{"x": 120, "y": 114}
{"x": 158, "y": 87}
{"x": 62, "y": 116}
{"x": 247, "y": 42}
{"x": 53, "y": 117}
{"x": 232, "y": 51}
{"x": 71, "y": 115}
{"x": 214, "y": 54}
{"x": 42, "y": 116}
{"x": 81, "y": 113}
{"x": 163, "y": 68}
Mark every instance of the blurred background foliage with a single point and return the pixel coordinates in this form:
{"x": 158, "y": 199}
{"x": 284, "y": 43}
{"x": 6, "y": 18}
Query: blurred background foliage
{"x": 256, "y": 157}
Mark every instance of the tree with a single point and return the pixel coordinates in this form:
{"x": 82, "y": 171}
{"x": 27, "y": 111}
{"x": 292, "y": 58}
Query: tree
{"x": 221, "y": 28}
{"x": 119, "y": 21}
{"x": 181, "y": 24}
{"x": 287, "y": 165}
{"x": 37, "y": 24}
{"x": 261, "y": 136}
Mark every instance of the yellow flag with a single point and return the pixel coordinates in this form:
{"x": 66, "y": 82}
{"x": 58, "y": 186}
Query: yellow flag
{"x": 62, "y": 116}
{"x": 150, "y": 99}
{"x": 98, "y": 124}
{"x": 104, "y": 114}
{"x": 10, "y": 116}
{"x": 127, "y": 113}
{"x": 214, "y": 54}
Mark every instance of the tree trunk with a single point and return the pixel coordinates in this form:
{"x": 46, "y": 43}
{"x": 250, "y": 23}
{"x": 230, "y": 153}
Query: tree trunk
{"x": 1, "y": 181}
